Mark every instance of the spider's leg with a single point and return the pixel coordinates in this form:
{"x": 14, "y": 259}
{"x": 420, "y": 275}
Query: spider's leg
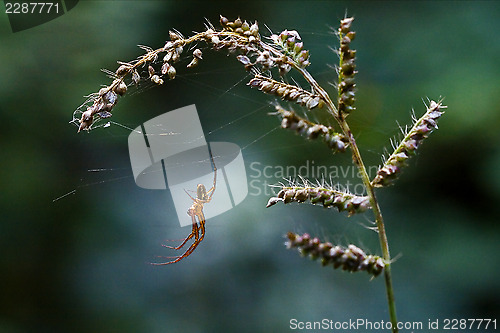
{"x": 190, "y": 196}
{"x": 197, "y": 239}
{"x": 201, "y": 218}
{"x": 211, "y": 191}
{"x": 194, "y": 232}
{"x": 190, "y": 250}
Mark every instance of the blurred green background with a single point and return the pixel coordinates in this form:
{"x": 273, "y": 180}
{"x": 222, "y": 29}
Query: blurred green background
{"x": 80, "y": 264}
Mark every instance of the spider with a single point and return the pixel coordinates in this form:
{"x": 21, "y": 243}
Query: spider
{"x": 195, "y": 211}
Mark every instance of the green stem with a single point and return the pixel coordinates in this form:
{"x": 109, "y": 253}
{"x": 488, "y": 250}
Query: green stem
{"x": 384, "y": 244}
{"x": 356, "y": 155}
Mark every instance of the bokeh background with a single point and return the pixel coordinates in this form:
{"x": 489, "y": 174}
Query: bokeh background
{"x": 80, "y": 263}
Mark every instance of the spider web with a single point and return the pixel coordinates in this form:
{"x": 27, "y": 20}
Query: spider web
{"x": 237, "y": 118}
{"x": 256, "y": 144}
{"x": 259, "y": 141}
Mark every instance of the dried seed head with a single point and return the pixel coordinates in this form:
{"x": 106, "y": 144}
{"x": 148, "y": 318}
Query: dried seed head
{"x": 215, "y": 40}
{"x": 168, "y": 45}
{"x": 351, "y": 35}
{"x": 351, "y": 259}
{"x": 175, "y": 57}
{"x": 237, "y": 23}
{"x": 286, "y": 91}
{"x": 197, "y": 54}
{"x": 168, "y": 56}
{"x": 136, "y": 77}
{"x": 421, "y": 130}
{"x": 245, "y": 61}
{"x": 312, "y": 102}
{"x": 288, "y": 41}
{"x": 121, "y": 88}
{"x": 110, "y": 97}
{"x": 105, "y": 108}
{"x": 266, "y": 86}
{"x": 171, "y": 72}
{"x": 273, "y": 201}
{"x": 254, "y": 29}
{"x": 322, "y": 196}
{"x": 347, "y": 68}
{"x": 193, "y": 63}
{"x": 255, "y": 82}
{"x": 284, "y": 68}
{"x": 156, "y": 79}
{"x": 86, "y": 120}
{"x": 223, "y": 21}
{"x": 164, "y": 68}
{"x": 335, "y": 141}
{"x": 345, "y": 25}
{"x": 174, "y": 36}
{"x": 298, "y": 47}
{"x": 122, "y": 70}
{"x": 103, "y": 91}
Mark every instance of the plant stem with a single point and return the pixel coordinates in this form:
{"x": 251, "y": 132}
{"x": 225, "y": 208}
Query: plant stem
{"x": 356, "y": 155}
{"x": 379, "y": 221}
